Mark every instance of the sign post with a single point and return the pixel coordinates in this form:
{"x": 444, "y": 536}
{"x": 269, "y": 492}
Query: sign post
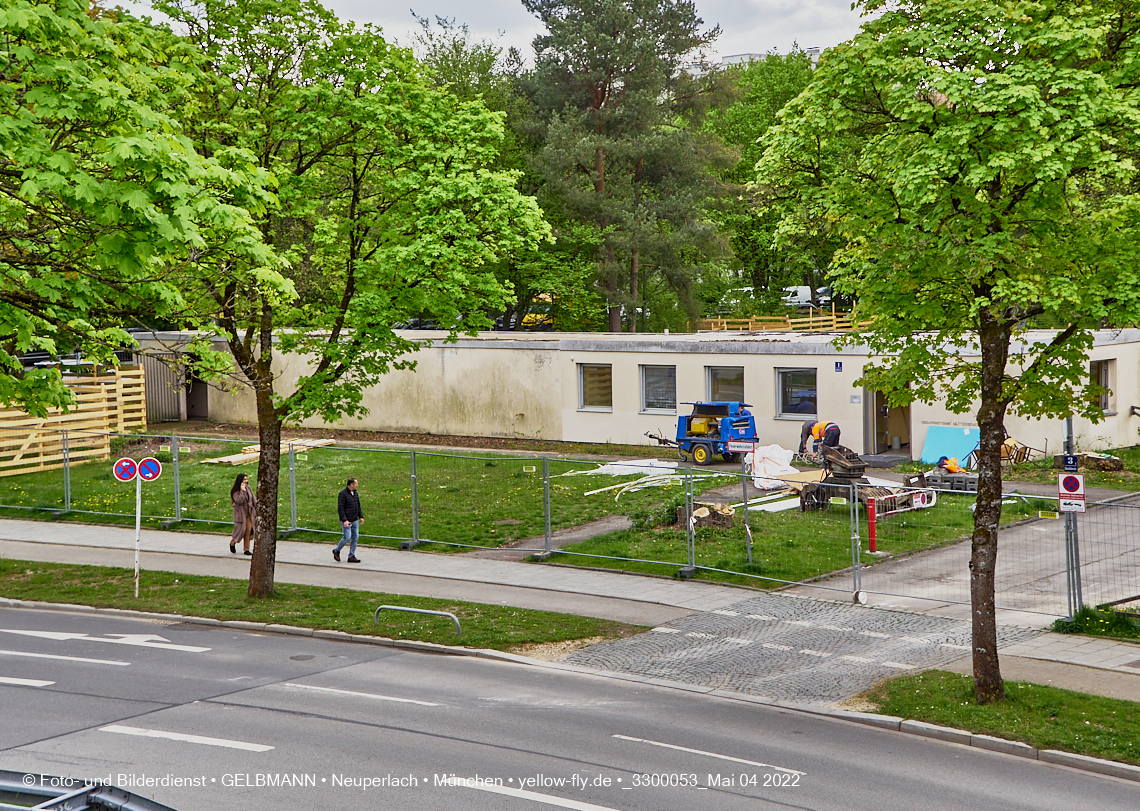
{"x": 146, "y": 470}
{"x": 744, "y": 448}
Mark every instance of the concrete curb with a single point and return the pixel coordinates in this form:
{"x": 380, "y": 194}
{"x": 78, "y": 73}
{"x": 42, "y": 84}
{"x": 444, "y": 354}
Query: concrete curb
{"x": 989, "y": 743}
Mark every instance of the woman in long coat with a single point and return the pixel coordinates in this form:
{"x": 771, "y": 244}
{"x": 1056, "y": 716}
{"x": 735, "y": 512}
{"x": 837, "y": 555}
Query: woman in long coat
{"x": 244, "y": 505}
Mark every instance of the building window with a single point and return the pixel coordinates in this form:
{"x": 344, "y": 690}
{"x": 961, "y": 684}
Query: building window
{"x": 795, "y": 390}
{"x": 595, "y": 387}
{"x": 726, "y": 384}
{"x": 1101, "y": 374}
{"x": 659, "y": 388}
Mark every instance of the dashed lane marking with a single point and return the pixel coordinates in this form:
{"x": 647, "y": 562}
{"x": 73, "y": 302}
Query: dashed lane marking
{"x": 63, "y": 658}
{"x": 180, "y": 736}
{"x": 24, "y": 682}
{"x": 355, "y": 694}
{"x": 709, "y": 754}
{"x": 523, "y": 794}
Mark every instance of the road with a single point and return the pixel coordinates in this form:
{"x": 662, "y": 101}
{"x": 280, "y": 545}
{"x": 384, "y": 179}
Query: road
{"x": 255, "y": 721}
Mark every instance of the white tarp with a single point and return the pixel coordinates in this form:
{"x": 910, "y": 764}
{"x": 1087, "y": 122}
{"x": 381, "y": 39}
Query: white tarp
{"x": 634, "y": 467}
{"x": 769, "y": 463}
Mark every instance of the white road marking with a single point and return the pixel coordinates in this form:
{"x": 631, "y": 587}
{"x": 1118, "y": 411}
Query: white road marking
{"x": 138, "y": 640}
{"x": 804, "y": 623}
{"x": 815, "y": 653}
{"x": 358, "y": 695}
{"x": 726, "y": 613}
{"x": 836, "y": 628}
{"x": 699, "y": 635}
{"x": 956, "y": 647}
{"x": 736, "y": 641}
{"x": 774, "y": 646}
{"x": 667, "y": 630}
{"x": 898, "y": 665}
{"x": 708, "y": 754}
{"x": 63, "y": 658}
{"x": 577, "y": 805}
{"x": 24, "y": 682}
{"x": 179, "y": 736}
{"x": 875, "y": 634}
{"x": 760, "y": 617}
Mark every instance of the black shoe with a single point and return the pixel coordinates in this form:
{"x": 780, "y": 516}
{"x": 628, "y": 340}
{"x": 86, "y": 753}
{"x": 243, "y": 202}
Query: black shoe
{"x": 353, "y": 559}
{"x": 232, "y": 550}
{"x": 336, "y": 556}
{"x": 249, "y": 553}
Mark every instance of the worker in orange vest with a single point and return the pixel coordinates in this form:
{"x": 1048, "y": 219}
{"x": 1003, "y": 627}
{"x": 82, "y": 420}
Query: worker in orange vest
{"x": 826, "y": 433}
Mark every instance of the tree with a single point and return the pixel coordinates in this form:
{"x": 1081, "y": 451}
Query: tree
{"x": 992, "y": 191}
{"x": 387, "y": 209}
{"x": 766, "y": 85}
{"x": 104, "y": 203}
{"x": 617, "y": 85}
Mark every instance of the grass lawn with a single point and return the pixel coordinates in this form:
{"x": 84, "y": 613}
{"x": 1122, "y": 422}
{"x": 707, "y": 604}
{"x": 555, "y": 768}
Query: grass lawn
{"x": 484, "y": 626}
{"x": 788, "y": 546}
{"x": 1043, "y": 717}
{"x": 1104, "y": 622}
{"x": 484, "y": 500}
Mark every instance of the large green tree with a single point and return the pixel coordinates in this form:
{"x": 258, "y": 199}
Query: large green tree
{"x": 389, "y": 207}
{"x": 992, "y": 191}
{"x": 104, "y": 203}
{"x": 618, "y": 86}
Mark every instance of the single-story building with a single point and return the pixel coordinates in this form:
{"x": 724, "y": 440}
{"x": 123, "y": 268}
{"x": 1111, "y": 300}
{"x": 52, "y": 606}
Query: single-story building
{"x": 600, "y": 387}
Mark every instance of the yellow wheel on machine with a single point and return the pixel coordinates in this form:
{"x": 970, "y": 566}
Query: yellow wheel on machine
{"x": 702, "y": 454}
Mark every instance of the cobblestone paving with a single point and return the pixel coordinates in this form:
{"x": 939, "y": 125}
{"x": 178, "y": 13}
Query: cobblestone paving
{"x": 791, "y": 649}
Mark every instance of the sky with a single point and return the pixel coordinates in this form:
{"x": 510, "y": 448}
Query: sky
{"x": 747, "y": 26}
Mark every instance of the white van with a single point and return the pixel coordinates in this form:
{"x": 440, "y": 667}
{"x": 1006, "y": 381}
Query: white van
{"x": 798, "y": 296}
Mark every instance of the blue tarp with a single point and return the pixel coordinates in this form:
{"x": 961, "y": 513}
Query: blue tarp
{"x": 946, "y": 440}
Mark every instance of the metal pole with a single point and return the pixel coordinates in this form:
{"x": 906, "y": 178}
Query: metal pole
{"x": 177, "y": 481}
{"x": 744, "y": 487}
{"x": 292, "y": 488}
{"x": 546, "y": 499}
{"x": 138, "y": 528}
{"x": 690, "y": 518}
{"x": 415, "y": 503}
{"x": 66, "y": 472}
{"x": 856, "y": 545}
{"x": 1072, "y": 540}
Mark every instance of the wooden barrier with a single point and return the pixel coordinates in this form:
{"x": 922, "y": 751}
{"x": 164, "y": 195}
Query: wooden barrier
{"x": 815, "y": 322}
{"x": 104, "y": 404}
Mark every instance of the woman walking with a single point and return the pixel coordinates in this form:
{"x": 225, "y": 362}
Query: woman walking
{"x": 244, "y": 505}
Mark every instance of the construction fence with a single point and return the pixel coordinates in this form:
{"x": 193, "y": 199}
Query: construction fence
{"x": 643, "y": 516}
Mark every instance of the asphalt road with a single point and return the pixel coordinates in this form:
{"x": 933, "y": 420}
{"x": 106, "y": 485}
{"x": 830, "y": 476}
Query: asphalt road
{"x": 249, "y": 721}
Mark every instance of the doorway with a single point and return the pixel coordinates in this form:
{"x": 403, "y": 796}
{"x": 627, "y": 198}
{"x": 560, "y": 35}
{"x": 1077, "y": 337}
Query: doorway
{"x": 886, "y": 427}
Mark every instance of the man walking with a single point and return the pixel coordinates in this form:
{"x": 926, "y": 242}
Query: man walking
{"x": 348, "y": 508}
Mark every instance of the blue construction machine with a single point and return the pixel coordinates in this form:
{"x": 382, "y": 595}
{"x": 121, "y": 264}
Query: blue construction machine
{"x": 703, "y": 436}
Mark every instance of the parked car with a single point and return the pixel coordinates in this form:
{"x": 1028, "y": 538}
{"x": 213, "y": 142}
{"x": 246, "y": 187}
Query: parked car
{"x": 798, "y": 296}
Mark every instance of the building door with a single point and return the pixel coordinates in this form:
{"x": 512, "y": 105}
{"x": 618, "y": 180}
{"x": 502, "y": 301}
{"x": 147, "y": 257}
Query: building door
{"x": 886, "y": 428}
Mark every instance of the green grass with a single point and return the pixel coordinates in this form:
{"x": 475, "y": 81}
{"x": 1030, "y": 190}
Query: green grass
{"x": 787, "y": 546}
{"x": 1043, "y": 717}
{"x": 484, "y": 626}
{"x": 1099, "y": 622}
{"x": 484, "y": 500}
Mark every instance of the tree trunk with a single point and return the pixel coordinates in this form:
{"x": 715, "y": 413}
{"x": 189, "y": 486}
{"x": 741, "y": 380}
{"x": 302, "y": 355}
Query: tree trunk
{"x": 994, "y": 340}
{"x": 268, "y": 474}
{"x": 634, "y": 265}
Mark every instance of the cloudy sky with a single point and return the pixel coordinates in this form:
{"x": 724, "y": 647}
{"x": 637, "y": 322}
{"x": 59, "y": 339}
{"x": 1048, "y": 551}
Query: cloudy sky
{"x": 747, "y": 26}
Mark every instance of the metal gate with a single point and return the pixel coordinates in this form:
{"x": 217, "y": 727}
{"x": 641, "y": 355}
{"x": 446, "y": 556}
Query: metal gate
{"x": 165, "y": 387}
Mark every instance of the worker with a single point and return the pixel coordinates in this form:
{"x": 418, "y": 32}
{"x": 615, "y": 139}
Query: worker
{"x": 826, "y": 433}
{"x": 950, "y": 464}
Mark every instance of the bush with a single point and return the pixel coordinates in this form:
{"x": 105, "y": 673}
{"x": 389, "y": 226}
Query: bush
{"x": 1100, "y": 621}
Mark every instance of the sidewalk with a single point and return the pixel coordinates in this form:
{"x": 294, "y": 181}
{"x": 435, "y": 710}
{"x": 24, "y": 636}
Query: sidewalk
{"x": 706, "y": 634}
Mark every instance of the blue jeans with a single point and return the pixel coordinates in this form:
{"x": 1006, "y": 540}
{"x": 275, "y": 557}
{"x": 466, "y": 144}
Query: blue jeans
{"x": 351, "y": 536}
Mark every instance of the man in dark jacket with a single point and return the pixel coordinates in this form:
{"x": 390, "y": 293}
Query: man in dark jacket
{"x": 348, "y": 508}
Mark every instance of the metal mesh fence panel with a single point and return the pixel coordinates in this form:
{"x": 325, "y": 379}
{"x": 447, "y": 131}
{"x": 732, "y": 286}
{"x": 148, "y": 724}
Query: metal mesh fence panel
{"x": 31, "y": 464}
{"x": 383, "y": 484}
{"x": 1109, "y": 546}
{"x": 917, "y": 545}
{"x": 480, "y": 501}
{"x": 204, "y": 482}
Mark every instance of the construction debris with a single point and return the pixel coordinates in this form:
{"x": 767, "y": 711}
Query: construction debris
{"x": 1092, "y": 461}
{"x": 251, "y": 453}
{"x": 714, "y": 514}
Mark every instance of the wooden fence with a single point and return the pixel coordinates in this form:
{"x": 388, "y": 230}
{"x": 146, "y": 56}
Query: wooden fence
{"x": 815, "y": 322}
{"x": 106, "y": 403}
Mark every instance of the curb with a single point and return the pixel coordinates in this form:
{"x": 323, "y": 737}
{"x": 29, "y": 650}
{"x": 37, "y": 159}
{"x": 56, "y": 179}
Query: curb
{"x": 922, "y": 729}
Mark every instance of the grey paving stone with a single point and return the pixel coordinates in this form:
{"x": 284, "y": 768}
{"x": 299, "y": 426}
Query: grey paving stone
{"x": 757, "y": 648}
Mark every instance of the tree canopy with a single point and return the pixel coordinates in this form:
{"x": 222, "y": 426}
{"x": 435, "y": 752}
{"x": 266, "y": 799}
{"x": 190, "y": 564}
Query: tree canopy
{"x": 975, "y": 158}
{"x": 104, "y": 203}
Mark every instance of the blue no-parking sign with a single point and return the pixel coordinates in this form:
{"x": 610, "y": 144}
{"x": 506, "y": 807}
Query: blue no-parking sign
{"x": 149, "y": 469}
{"x": 125, "y": 469}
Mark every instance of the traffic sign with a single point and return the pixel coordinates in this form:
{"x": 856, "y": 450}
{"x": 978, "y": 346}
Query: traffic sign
{"x": 740, "y": 446}
{"x": 149, "y": 469}
{"x": 125, "y": 469}
{"x": 1071, "y": 492}
{"x": 1071, "y": 463}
